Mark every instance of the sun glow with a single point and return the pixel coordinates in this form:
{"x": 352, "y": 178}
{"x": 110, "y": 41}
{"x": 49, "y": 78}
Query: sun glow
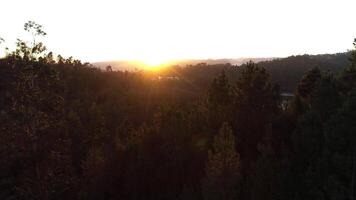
{"x": 154, "y": 63}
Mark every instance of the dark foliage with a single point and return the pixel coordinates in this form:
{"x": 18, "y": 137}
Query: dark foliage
{"x": 72, "y": 131}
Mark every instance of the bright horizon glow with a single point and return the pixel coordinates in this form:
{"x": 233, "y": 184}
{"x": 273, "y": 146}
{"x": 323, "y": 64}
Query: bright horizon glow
{"x": 157, "y": 31}
{"x": 153, "y": 62}
{"x": 150, "y": 65}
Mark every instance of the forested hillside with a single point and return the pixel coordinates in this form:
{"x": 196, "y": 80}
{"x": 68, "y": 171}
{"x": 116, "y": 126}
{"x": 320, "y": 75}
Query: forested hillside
{"x": 288, "y": 71}
{"x": 285, "y": 71}
{"x": 71, "y": 131}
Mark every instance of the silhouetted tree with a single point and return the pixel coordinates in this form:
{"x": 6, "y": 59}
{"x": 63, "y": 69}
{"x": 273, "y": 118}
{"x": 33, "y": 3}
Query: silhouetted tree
{"x": 341, "y": 138}
{"x": 108, "y": 68}
{"x": 348, "y": 78}
{"x": 222, "y": 167}
{"x": 219, "y": 101}
{"x": 307, "y": 84}
{"x": 326, "y": 97}
{"x": 255, "y": 104}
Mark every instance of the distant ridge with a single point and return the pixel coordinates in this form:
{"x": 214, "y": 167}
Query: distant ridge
{"x": 288, "y": 71}
{"x": 127, "y": 65}
{"x": 285, "y": 71}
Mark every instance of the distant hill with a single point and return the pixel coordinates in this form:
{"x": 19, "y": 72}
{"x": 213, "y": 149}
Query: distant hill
{"x": 285, "y": 71}
{"x": 127, "y": 65}
{"x": 288, "y": 71}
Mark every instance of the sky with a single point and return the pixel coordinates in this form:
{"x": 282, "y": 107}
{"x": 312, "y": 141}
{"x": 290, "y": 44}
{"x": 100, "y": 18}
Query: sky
{"x": 161, "y": 30}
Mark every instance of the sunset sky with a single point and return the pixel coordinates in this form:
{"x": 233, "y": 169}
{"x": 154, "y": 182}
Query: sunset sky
{"x": 160, "y": 30}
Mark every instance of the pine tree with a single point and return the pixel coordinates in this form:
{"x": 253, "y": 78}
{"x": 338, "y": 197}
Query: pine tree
{"x": 219, "y": 101}
{"x": 222, "y": 167}
{"x": 307, "y": 84}
{"x": 349, "y": 74}
{"x": 256, "y": 101}
{"x": 326, "y": 98}
{"x": 341, "y": 140}
{"x": 220, "y": 92}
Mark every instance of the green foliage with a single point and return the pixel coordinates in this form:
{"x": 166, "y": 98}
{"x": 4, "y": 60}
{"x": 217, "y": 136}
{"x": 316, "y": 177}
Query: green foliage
{"x": 255, "y": 103}
{"x": 288, "y": 71}
{"x": 326, "y": 88}
{"x": 71, "y": 131}
{"x": 309, "y": 138}
{"x": 34, "y": 28}
{"x": 255, "y": 91}
{"x": 220, "y": 101}
{"x": 341, "y": 126}
{"x": 307, "y": 84}
{"x": 266, "y": 176}
{"x": 297, "y": 106}
{"x": 220, "y": 92}
{"x": 35, "y": 115}
{"x": 353, "y": 55}
{"x": 349, "y": 74}
{"x": 30, "y": 51}
{"x": 341, "y": 146}
{"x": 222, "y": 167}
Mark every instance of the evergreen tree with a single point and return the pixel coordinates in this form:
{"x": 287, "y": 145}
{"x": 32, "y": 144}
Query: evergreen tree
{"x": 307, "y": 84}
{"x": 353, "y": 55}
{"x": 263, "y": 183}
{"x": 222, "y": 167}
{"x": 220, "y": 92}
{"x": 326, "y": 97}
{"x": 219, "y": 101}
{"x": 349, "y": 74}
{"x": 341, "y": 140}
{"x": 256, "y": 101}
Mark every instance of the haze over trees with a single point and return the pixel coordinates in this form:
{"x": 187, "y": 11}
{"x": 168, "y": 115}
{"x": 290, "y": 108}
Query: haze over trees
{"x": 69, "y": 130}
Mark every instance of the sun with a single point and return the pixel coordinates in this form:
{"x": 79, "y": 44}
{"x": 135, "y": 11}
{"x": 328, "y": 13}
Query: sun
{"x": 153, "y": 63}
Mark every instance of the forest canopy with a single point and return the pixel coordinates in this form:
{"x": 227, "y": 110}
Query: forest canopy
{"x": 69, "y": 130}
